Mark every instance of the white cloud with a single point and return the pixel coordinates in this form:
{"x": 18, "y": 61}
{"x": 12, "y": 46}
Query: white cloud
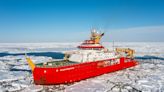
{"x": 149, "y": 33}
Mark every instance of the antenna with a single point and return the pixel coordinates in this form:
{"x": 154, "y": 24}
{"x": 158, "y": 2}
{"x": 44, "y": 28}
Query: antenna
{"x": 25, "y": 53}
{"x": 113, "y": 45}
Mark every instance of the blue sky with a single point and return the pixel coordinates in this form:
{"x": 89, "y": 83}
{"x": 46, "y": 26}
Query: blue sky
{"x": 71, "y": 20}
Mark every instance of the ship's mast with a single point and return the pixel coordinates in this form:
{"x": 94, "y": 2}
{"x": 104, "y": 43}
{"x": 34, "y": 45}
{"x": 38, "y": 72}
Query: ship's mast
{"x": 96, "y": 36}
{"x": 113, "y": 45}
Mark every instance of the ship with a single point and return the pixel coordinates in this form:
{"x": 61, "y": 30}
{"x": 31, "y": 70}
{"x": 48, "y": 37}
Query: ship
{"x": 90, "y": 59}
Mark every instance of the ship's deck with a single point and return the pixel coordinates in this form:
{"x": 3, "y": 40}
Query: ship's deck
{"x": 56, "y": 63}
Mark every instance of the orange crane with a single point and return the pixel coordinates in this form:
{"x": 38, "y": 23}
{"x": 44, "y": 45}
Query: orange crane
{"x": 129, "y": 52}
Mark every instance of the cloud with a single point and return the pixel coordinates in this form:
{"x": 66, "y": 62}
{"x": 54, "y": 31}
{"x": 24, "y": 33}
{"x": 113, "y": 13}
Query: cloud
{"x": 145, "y": 29}
{"x": 148, "y": 33}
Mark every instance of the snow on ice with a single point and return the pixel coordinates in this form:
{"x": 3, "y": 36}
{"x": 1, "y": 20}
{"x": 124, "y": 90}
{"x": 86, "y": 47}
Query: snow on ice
{"x": 148, "y": 76}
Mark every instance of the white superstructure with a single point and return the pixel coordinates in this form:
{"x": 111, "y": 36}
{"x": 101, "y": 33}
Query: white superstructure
{"x": 91, "y": 50}
{"x": 91, "y": 55}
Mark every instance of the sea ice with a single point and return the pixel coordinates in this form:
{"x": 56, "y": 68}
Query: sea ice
{"x": 148, "y": 76}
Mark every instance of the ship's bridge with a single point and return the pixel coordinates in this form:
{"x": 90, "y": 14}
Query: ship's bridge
{"x": 91, "y": 47}
{"x": 93, "y": 43}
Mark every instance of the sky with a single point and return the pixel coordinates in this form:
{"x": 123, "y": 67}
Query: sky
{"x": 72, "y": 20}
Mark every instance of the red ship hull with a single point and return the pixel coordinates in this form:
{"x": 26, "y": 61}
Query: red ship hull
{"x": 77, "y": 72}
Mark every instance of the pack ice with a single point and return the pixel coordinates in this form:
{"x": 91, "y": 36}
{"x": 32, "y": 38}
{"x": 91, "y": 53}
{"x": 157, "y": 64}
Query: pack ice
{"x": 148, "y": 76}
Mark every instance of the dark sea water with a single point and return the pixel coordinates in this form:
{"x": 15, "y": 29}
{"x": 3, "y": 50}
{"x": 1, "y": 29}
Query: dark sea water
{"x": 59, "y": 55}
{"x": 55, "y": 55}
